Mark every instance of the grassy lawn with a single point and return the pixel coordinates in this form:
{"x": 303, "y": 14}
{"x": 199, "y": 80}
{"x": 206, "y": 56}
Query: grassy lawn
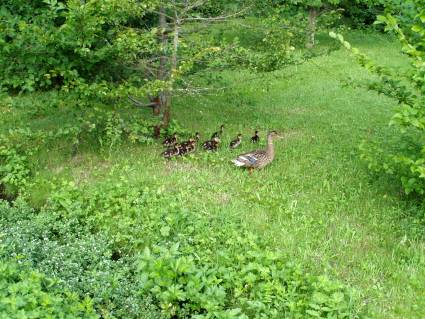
{"x": 317, "y": 202}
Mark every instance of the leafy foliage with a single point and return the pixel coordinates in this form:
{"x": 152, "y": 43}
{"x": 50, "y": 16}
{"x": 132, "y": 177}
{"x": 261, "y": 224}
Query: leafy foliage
{"x": 14, "y": 169}
{"x": 407, "y": 159}
{"x": 191, "y": 266}
{"x": 102, "y": 127}
{"x": 361, "y": 13}
{"x": 25, "y": 293}
{"x": 81, "y": 261}
{"x": 46, "y": 44}
{"x": 244, "y": 283}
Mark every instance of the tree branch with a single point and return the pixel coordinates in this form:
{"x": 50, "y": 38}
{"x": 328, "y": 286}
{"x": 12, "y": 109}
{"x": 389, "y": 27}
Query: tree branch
{"x": 141, "y": 104}
{"x": 218, "y": 18}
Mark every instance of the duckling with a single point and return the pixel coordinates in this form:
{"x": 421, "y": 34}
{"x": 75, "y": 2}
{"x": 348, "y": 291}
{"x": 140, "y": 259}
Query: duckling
{"x": 170, "y": 140}
{"x": 211, "y": 145}
{"x": 188, "y": 147}
{"x": 236, "y": 142}
{"x": 191, "y": 140}
{"x": 174, "y": 151}
{"x": 219, "y": 133}
{"x": 259, "y": 158}
{"x": 255, "y": 138}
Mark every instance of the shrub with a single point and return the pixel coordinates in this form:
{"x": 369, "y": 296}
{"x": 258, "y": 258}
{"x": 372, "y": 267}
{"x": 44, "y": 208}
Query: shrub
{"x": 404, "y": 154}
{"x": 29, "y": 294}
{"x": 102, "y": 128}
{"x": 249, "y": 283}
{"x": 126, "y": 244}
{"x": 193, "y": 266}
{"x": 45, "y": 44}
{"x": 81, "y": 261}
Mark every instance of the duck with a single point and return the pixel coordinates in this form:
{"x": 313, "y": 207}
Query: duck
{"x": 197, "y": 136}
{"x": 259, "y": 158}
{"x": 170, "y": 140}
{"x": 211, "y": 145}
{"x": 191, "y": 140}
{"x": 219, "y": 133}
{"x": 188, "y": 147}
{"x": 255, "y": 138}
{"x": 173, "y": 151}
{"x": 236, "y": 142}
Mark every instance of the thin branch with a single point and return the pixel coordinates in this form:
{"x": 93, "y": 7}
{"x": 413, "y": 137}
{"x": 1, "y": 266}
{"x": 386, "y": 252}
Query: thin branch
{"x": 199, "y": 90}
{"x": 194, "y": 5}
{"x": 162, "y": 13}
{"x": 329, "y": 9}
{"x": 218, "y": 18}
{"x": 136, "y": 102}
{"x": 280, "y": 26}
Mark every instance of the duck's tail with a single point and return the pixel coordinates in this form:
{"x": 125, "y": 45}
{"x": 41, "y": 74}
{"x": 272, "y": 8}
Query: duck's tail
{"x": 238, "y": 163}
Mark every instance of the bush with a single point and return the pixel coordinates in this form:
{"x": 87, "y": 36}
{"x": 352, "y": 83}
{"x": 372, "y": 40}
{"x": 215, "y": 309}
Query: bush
{"x": 28, "y": 294}
{"x": 191, "y": 265}
{"x": 249, "y": 283}
{"x": 83, "y": 262}
{"x": 361, "y": 14}
{"x": 197, "y": 266}
{"x": 404, "y": 154}
{"x": 45, "y": 44}
{"x": 102, "y": 128}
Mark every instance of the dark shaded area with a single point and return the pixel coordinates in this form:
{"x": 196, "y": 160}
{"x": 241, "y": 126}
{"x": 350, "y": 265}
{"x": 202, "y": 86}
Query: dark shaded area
{"x": 4, "y": 195}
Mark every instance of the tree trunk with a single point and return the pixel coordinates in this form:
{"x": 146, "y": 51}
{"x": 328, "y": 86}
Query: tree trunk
{"x": 163, "y": 40}
{"x": 166, "y": 108}
{"x": 166, "y": 96}
{"x": 312, "y": 25}
{"x": 164, "y": 101}
{"x": 156, "y": 105}
{"x": 176, "y": 39}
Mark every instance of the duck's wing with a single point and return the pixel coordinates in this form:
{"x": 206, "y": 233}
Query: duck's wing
{"x": 206, "y": 144}
{"x": 250, "y": 159}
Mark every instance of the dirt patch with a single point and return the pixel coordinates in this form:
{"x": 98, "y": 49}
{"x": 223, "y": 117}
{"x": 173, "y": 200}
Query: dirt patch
{"x": 81, "y": 176}
{"x": 77, "y": 160}
{"x": 179, "y": 165}
{"x": 296, "y": 110}
{"x": 292, "y": 134}
{"x": 223, "y": 198}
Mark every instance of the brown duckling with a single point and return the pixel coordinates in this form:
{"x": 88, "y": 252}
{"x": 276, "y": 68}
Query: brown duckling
{"x": 219, "y": 133}
{"x": 173, "y": 151}
{"x": 255, "y": 138}
{"x": 170, "y": 140}
{"x": 236, "y": 142}
{"x": 211, "y": 145}
{"x": 188, "y": 147}
{"x": 191, "y": 140}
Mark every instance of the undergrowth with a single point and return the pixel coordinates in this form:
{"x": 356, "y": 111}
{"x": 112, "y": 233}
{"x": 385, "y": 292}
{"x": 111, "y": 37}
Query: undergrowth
{"x": 101, "y": 127}
{"x": 125, "y": 245}
{"x": 25, "y": 293}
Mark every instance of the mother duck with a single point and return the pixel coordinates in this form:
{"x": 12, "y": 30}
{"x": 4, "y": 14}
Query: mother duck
{"x": 259, "y": 158}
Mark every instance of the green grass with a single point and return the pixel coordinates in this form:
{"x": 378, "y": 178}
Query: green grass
{"x": 317, "y": 202}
